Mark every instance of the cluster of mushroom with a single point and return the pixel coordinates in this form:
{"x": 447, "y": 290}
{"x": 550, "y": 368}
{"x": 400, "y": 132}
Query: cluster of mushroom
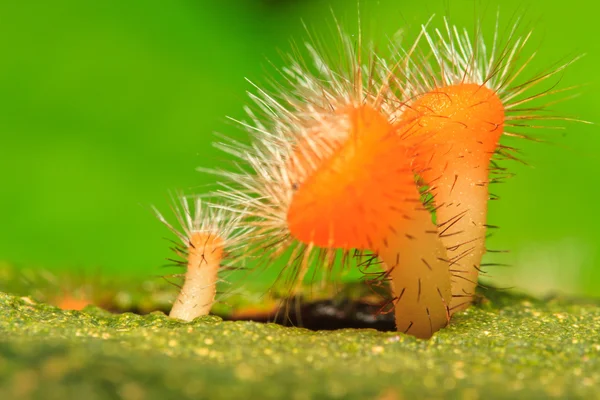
{"x": 340, "y": 160}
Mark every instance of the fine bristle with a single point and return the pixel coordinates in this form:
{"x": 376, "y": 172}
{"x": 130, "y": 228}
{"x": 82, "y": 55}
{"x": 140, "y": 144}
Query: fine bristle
{"x": 195, "y": 216}
{"x": 500, "y": 64}
{"x": 294, "y": 129}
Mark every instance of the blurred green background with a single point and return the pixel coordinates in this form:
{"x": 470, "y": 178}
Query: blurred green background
{"x": 107, "y": 106}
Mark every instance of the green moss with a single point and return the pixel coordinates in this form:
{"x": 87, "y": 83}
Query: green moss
{"x": 506, "y": 347}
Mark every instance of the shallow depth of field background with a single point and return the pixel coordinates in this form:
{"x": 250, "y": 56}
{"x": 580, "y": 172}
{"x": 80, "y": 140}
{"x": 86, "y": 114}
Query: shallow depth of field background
{"x": 107, "y": 106}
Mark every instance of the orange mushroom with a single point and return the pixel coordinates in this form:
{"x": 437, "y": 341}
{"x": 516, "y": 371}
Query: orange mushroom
{"x": 460, "y": 126}
{"x": 364, "y": 197}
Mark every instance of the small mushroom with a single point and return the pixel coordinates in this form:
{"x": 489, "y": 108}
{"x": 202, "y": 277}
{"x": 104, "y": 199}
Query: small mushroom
{"x": 209, "y": 235}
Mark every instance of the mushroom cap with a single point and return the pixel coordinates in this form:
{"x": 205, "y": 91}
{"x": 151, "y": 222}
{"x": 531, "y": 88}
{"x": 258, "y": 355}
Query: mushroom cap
{"x": 360, "y": 194}
{"x": 463, "y": 121}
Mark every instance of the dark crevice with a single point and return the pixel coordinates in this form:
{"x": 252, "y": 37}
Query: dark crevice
{"x": 327, "y": 315}
{"x": 322, "y": 315}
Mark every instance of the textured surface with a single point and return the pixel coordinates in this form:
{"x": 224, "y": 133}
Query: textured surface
{"x": 508, "y": 347}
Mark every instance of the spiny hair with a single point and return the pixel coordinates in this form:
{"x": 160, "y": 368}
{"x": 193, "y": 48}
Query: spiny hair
{"x": 192, "y": 216}
{"x": 450, "y": 56}
{"x": 294, "y": 127}
{"x": 195, "y": 216}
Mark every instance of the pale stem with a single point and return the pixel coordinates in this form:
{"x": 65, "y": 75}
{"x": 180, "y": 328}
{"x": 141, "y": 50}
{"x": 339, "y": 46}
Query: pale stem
{"x": 199, "y": 289}
{"x": 416, "y": 262}
{"x": 461, "y": 218}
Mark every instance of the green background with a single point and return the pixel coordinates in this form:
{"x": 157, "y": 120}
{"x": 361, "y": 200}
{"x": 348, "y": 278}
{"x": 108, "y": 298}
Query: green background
{"x": 107, "y": 106}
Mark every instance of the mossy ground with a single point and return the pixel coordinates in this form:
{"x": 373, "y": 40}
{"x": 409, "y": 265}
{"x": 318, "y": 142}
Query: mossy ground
{"x": 509, "y": 347}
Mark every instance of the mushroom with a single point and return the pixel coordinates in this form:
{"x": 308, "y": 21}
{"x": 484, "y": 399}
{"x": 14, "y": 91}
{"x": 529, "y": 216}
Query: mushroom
{"x": 458, "y": 106}
{"x": 364, "y": 196}
{"x": 209, "y": 237}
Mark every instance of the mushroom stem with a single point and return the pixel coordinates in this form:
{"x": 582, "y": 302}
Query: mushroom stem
{"x": 462, "y": 226}
{"x": 417, "y": 267}
{"x": 205, "y": 253}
